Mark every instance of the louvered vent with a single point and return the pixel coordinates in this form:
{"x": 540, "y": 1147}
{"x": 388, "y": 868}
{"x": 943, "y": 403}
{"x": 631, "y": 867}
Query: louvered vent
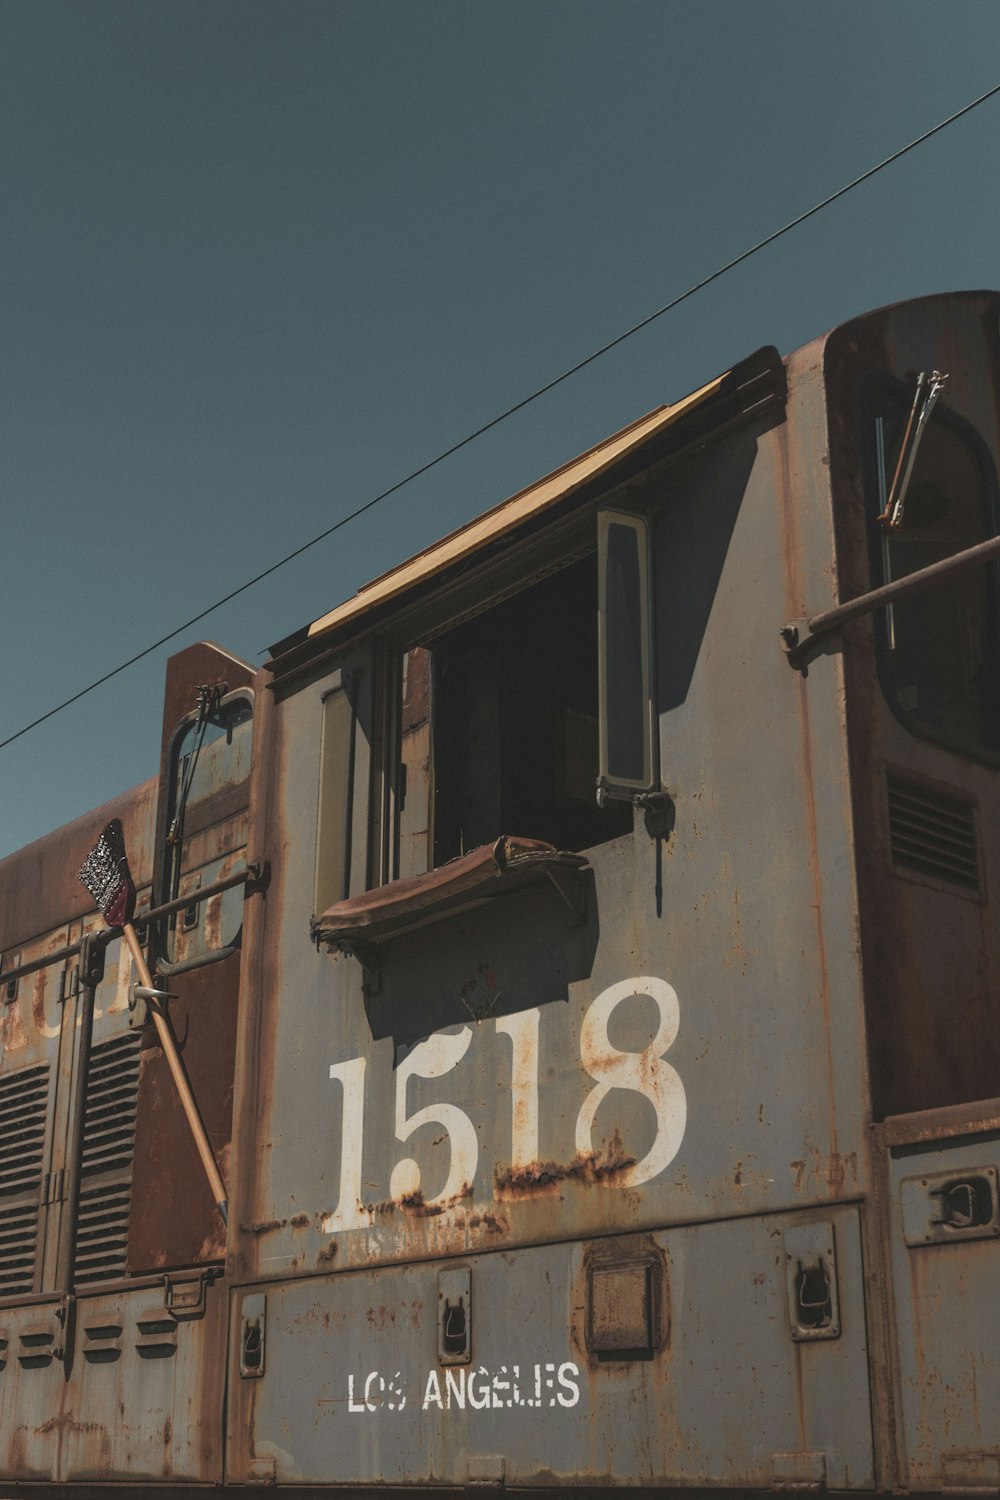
{"x": 933, "y": 834}
{"x": 24, "y": 1100}
{"x": 108, "y": 1143}
{"x": 18, "y": 1238}
{"x": 102, "y": 1232}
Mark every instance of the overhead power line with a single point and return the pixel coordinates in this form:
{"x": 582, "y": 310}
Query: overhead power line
{"x": 509, "y": 412}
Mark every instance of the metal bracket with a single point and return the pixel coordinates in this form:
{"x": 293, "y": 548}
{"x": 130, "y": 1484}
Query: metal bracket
{"x": 370, "y": 960}
{"x": 147, "y": 993}
{"x": 186, "y": 1297}
{"x": 93, "y": 952}
{"x": 801, "y": 646}
{"x": 66, "y": 1318}
{"x": 142, "y": 1000}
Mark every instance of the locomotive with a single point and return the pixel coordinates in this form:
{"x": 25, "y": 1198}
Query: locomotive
{"x": 581, "y": 952}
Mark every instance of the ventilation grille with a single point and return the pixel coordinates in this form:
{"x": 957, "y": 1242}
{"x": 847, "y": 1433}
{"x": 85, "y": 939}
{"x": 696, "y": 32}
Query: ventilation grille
{"x": 933, "y": 834}
{"x": 106, "y": 1166}
{"x": 102, "y": 1232}
{"x": 24, "y": 1101}
{"x": 112, "y": 1100}
{"x": 18, "y": 1238}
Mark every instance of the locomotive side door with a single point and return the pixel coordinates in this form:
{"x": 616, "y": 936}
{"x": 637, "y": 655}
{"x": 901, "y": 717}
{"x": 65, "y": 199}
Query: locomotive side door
{"x": 924, "y": 731}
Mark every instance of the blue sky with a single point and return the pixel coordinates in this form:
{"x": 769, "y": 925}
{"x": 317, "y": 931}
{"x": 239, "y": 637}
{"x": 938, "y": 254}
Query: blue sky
{"x": 261, "y": 258}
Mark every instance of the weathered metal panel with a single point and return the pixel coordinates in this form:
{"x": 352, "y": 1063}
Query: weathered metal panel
{"x": 925, "y": 943}
{"x": 947, "y": 1317}
{"x": 32, "y": 1385}
{"x": 353, "y": 1390}
{"x": 39, "y": 882}
{"x": 143, "y": 1401}
{"x": 526, "y": 1024}
{"x": 929, "y": 945}
{"x": 176, "y": 1222}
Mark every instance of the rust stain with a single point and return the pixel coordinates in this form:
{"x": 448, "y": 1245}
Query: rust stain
{"x": 415, "y": 1203}
{"x": 830, "y": 1173}
{"x": 213, "y": 923}
{"x": 299, "y": 1221}
{"x": 480, "y": 992}
{"x": 587, "y": 1166}
{"x": 263, "y": 1226}
{"x": 488, "y": 1221}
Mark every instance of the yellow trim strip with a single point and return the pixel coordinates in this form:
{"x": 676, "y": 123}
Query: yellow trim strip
{"x": 504, "y": 517}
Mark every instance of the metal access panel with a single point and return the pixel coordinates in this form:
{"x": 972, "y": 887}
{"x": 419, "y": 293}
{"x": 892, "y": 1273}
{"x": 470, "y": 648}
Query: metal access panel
{"x": 31, "y": 1386}
{"x": 647, "y": 1359}
{"x": 946, "y": 1273}
{"x": 121, "y": 1386}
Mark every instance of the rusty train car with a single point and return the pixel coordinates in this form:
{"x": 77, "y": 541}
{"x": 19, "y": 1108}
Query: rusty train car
{"x": 643, "y": 1139}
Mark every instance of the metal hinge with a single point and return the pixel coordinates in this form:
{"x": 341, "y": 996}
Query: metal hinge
{"x": 52, "y": 1187}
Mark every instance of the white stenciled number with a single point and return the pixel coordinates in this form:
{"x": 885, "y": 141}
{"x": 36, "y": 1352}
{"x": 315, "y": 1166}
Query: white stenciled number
{"x": 643, "y": 1072}
{"x": 432, "y": 1059}
{"x": 522, "y": 1029}
{"x": 350, "y": 1214}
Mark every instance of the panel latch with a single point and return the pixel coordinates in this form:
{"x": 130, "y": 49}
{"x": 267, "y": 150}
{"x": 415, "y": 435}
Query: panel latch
{"x": 455, "y": 1316}
{"x": 811, "y": 1282}
{"x": 253, "y": 1327}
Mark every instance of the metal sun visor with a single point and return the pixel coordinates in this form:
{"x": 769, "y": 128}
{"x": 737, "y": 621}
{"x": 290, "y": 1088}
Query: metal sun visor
{"x": 503, "y": 519}
{"x": 485, "y": 873}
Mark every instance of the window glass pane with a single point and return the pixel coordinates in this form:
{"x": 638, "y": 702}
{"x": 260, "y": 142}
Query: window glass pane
{"x": 415, "y": 778}
{"x": 939, "y": 648}
{"x": 625, "y": 680}
{"x": 217, "y": 757}
{"x": 333, "y": 851}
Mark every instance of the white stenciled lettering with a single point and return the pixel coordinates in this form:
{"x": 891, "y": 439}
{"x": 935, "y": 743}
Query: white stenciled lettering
{"x": 480, "y": 1389}
{"x": 431, "y": 1059}
{"x": 478, "y": 1398}
{"x": 642, "y": 1072}
{"x": 570, "y": 1393}
{"x": 350, "y": 1214}
{"x": 522, "y": 1028}
{"x": 374, "y": 1383}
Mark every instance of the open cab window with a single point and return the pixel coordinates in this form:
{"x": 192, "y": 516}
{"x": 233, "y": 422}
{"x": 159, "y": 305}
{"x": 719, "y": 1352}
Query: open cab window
{"x": 499, "y": 729}
{"x": 520, "y": 722}
{"x": 504, "y": 684}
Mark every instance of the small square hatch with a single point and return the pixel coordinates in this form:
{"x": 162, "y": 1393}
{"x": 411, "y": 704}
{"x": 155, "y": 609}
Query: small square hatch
{"x": 621, "y": 1317}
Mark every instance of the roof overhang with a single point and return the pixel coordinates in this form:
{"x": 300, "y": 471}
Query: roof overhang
{"x": 752, "y": 383}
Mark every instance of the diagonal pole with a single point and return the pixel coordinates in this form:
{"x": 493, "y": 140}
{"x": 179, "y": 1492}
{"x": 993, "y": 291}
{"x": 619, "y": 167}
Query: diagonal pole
{"x": 178, "y": 1073}
{"x": 106, "y": 876}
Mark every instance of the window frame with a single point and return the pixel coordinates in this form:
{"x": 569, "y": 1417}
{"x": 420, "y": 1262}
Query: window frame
{"x": 451, "y": 603}
{"x": 880, "y": 389}
{"x": 611, "y": 784}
